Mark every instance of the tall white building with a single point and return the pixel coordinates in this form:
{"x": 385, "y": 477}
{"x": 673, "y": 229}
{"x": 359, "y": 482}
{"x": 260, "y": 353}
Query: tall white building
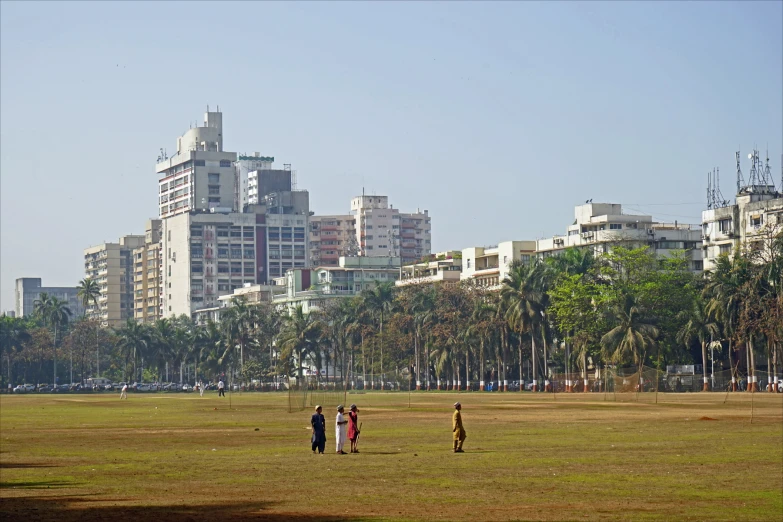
{"x": 200, "y": 175}
{"x": 600, "y": 226}
{"x": 754, "y": 218}
{"x": 372, "y": 229}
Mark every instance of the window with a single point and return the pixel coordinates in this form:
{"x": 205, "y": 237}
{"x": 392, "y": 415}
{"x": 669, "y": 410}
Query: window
{"x": 274, "y": 233}
{"x": 214, "y": 201}
{"x": 225, "y": 163}
{"x": 724, "y": 225}
{"x": 200, "y": 163}
{"x": 214, "y": 191}
{"x": 369, "y": 227}
{"x": 757, "y": 220}
{"x": 236, "y": 232}
{"x": 615, "y": 226}
{"x": 249, "y": 253}
{"x": 214, "y": 178}
{"x": 236, "y": 268}
{"x": 236, "y": 253}
{"x": 222, "y": 268}
{"x": 724, "y": 249}
{"x": 285, "y": 234}
{"x": 222, "y": 253}
{"x": 573, "y": 232}
{"x": 698, "y": 265}
{"x": 468, "y": 263}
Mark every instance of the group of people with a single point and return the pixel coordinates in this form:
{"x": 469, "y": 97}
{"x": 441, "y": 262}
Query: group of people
{"x": 344, "y": 429}
{"x": 350, "y": 428}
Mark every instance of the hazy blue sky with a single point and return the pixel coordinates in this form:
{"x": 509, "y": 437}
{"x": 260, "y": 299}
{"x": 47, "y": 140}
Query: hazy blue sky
{"x": 497, "y": 118}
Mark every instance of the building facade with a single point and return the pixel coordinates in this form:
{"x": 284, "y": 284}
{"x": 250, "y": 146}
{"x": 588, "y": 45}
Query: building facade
{"x": 111, "y": 265}
{"x": 489, "y": 266}
{"x": 146, "y": 275}
{"x": 330, "y": 238}
{"x": 28, "y": 290}
{"x": 751, "y": 222}
{"x": 207, "y": 255}
{"x": 445, "y": 268}
{"x": 373, "y": 228}
{"x": 601, "y": 226}
{"x": 200, "y": 175}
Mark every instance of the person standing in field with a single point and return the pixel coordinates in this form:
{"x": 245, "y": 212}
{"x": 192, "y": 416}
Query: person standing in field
{"x": 221, "y": 391}
{"x": 124, "y": 392}
{"x": 353, "y": 427}
{"x": 201, "y": 388}
{"x": 458, "y": 429}
{"x": 340, "y": 429}
{"x": 319, "y": 431}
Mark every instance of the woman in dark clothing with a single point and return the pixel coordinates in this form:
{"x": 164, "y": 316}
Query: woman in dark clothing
{"x": 319, "y": 430}
{"x": 353, "y": 427}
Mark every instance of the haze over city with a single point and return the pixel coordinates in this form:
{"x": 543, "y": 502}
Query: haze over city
{"x": 497, "y": 118}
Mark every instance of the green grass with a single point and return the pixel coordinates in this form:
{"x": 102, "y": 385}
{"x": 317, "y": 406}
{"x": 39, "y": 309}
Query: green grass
{"x": 528, "y": 457}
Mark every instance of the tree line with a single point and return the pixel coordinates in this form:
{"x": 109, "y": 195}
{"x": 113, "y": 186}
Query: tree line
{"x": 627, "y": 307}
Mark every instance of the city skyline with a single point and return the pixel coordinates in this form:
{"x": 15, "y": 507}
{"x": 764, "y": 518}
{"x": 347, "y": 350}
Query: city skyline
{"x": 498, "y": 134}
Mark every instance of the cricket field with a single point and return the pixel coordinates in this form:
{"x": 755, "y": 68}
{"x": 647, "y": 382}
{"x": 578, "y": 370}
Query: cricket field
{"x": 698, "y": 456}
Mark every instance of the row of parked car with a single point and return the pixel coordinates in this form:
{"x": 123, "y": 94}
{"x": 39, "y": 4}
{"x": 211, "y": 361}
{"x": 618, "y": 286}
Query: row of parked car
{"x": 116, "y": 386}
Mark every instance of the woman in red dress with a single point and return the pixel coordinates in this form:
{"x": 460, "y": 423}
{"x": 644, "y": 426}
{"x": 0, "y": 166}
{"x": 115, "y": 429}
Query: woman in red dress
{"x": 353, "y": 427}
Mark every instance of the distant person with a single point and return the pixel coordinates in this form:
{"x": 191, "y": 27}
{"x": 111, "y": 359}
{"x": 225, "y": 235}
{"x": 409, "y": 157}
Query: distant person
{"x": 353, "y": 428}
{"x": 221, "y": 390}
{"x": 124, "y": 392}
{"x": 319, "y": 431}
{"x": 458, "y": 429}
{"x": 201, "y": 389}
{"x": 340, "y": 429}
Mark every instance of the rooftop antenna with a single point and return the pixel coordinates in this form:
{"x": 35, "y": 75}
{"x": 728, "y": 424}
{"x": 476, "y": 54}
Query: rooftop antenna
{"x": 740, "y": 178}
{"x": 767, "y": 174}
{"x": 720, "y": 201}
{"x": 710, "y": 197}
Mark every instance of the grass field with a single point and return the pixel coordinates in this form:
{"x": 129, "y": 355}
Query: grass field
{"x": 528, "y": 457}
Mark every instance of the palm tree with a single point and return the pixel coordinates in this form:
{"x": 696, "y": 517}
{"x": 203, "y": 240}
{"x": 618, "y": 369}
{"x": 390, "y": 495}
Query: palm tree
{"x": 380, "y": 300}
{"x": 633, "y": 335}
{"x": 206, "y": 341}
{"x": 298, "y": 338}
{"x": 55, "y": 313}
{"x": 723, "y": 292}
{"x": 481, "y": 328}
{"x": 160, "y": 344}
{"x": 524, "y": 299}
{"x": 133, "y": 341}
{"x": 88, "y": 291}
{"x": 423, "y": 308}
{"x": 698, "y": 326}
{"x": 237, "y": 324}
{"x": 13, "y": 336}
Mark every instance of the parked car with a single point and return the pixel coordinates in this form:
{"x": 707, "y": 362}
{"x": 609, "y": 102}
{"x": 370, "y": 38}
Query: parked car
{"x": 24, "y": 388}
{"x": 187, "y": 387}
{"x": 44, "y": 388}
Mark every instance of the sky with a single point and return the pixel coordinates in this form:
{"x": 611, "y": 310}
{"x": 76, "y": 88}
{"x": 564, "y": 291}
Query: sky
{"x": 498, "y": 118}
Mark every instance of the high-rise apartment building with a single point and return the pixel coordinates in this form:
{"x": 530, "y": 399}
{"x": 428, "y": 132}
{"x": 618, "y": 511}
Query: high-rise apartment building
{"x": 200, "y": 175}
{"x": 372, "y": 229}
{"x": 28, "y": 290}
{"x": 257, "y": 178}
{"x": 111, "y": 265}
{"x": 207, "y": 255}
{"x": 146, "y": 275}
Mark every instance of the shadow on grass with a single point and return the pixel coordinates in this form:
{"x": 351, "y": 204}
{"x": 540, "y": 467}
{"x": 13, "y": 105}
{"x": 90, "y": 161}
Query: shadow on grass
{"x": 76, "y": 509}
{"x": 43, "y": 484}
{"x": 22, "y": 465}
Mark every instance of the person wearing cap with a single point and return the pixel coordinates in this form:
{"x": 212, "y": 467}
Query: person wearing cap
{"x": 319, "y": 431}
{"x": 457, "y": 428}
{"x": 340, "y": 429}
{"x": 353, "y": 427}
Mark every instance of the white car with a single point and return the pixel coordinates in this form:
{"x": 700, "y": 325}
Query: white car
{"x": 187, "y": 387}
{"x": 24, "y": 388}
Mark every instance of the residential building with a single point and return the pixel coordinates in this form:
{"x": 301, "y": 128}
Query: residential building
{"x": 751, "y": 222}
{"x": 257, "y": 178}
{"x": 111, "y": 265}
{"x": 373, "y": 228}
{"x": 444, "y": 267}
{"x": 28, "y": 290}
{"x": 200, "y": 175}
{"x": 488, "y": 266}
{"x": 310, "y": 288}
{"x": 601, "y": 226}
{"x": 330, "y": 238}
{"x": 207, "y": 255}
{"x": 146, "y": 275}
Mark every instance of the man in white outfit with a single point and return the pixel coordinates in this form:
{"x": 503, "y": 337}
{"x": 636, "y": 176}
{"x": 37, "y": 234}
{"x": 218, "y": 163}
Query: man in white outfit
{"x": 124, "y": 393}
{"x": 200, "y": 388}
{"x": 341, "y": 428}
